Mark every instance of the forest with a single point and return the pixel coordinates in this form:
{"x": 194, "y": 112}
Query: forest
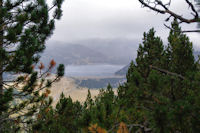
{"x": 161, "y": 93}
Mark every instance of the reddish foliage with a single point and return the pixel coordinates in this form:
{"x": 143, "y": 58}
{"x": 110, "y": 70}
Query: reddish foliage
{"x": 41, "y": 66}
{"x": 52, "y": 64}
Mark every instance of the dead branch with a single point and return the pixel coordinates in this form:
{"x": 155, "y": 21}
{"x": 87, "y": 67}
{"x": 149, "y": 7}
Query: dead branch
{"x": 165, "y": 10}
{"x": 167, "y": 72}
{"x": 184, "y": 31}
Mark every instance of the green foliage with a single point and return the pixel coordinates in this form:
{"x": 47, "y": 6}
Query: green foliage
{"x": 31, "y": 27}
{"x": 104, "y": 104}
{"x": 69, "y": 116}
{"x": 5, "y": 99}
{"x": 64, "y": 119}
{"x": 180, "y": 51}
{"x": 60, "y": 70}
{"x": 163, "y": 102}
{"x": 154, "y": 98}
{"x": 150, "y": 53}
{"x": 25, "y": 25}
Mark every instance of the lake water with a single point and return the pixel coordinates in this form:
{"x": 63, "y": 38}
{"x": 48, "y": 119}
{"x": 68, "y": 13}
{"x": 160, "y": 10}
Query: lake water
{"x": 92, "y": 70}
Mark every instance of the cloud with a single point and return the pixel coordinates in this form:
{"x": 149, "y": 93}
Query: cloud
{"x": 85, "y": 19}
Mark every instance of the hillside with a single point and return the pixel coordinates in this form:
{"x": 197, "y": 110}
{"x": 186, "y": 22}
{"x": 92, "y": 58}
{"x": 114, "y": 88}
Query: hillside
{"x": 123, "y": 71}
{"x": 90, "y": 52}
{"x": 119, "y": 51}
{"x": 72, "y": 54}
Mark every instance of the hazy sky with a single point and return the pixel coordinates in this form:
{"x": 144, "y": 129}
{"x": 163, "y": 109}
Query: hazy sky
{"x": 110, "y": 19}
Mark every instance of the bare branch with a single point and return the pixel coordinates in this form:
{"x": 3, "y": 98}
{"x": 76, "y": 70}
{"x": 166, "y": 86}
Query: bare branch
{"x": 152, "y": 8}
{"x": 193, "y": 8}
{"x": 165, "y": 10}
{"x": 167, "y": 72}
{"x": 140, "y": 126}
{"x": 184, "y": 31}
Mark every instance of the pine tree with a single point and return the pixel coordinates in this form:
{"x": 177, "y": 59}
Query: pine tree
{"x": 180, "y": 50}
{"x": 24, "y": 27}
{"x": 150, "y": 53}
{"x": 158, "y": 98}
{"x": 64, "y": 118}
{"x": 101, "y": 110}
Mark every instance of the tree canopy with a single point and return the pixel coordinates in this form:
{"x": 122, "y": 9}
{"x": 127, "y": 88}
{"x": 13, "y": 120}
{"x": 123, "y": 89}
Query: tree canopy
{"x": 25, "y": 25}
{"x": 161, "y": 94}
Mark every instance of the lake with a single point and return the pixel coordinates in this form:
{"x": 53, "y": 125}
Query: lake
{"x": 92, "y": 70}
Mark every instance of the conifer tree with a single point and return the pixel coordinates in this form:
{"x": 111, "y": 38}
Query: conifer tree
{"x": 150, "y": 53}
{"x": 64, "y": 118}
{"x": 101, "y": 110}
{"x": 160, "y": 99}
{"x": 25, "y": 25}
{"x": 139, "y": 87}
{"x": 155, "y": 97}
{"x": 180, "y": 51}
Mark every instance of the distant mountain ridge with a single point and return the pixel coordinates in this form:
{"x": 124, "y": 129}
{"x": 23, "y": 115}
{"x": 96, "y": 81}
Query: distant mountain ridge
{"x": 72, "y": 54}
{"x": 89, "y": 52}
{"x": 196, "y": 54}
{"x": 123, "y": 71}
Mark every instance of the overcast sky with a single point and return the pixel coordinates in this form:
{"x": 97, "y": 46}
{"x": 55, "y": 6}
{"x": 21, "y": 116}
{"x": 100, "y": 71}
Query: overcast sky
{"x": 111, "y": 19}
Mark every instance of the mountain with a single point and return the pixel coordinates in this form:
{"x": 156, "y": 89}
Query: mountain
{"x": 98, "y": 83}
{"x": 196, "y": 54}
{"x": 119, "y": 51}
{"x": 72, "y": 54}
{"x": 92, "y": 51}
{"x": 123, "y": 71}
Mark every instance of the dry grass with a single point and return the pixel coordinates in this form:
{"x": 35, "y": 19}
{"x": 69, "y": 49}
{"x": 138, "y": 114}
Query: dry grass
{"x": 69, "y": 88}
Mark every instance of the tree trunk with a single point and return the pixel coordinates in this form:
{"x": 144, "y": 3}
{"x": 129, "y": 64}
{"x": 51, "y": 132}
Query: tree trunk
{"x": 1, "y": 46}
